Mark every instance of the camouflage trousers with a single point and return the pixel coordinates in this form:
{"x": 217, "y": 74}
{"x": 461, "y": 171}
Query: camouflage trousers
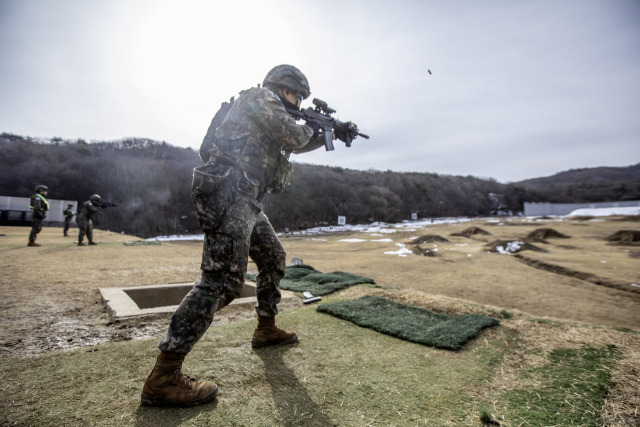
{"x": 36, "y": 227}
{"x": 86, "y": 227}
{"x": 245, "y": 232}
{"x": 67, "y": 224}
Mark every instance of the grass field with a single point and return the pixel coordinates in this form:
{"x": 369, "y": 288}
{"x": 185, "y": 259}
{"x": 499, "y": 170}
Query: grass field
{"x": 566, "y": 352}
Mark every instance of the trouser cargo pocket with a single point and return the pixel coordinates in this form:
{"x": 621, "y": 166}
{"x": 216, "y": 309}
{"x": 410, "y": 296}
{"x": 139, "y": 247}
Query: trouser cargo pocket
{"x": 208, "y": 196}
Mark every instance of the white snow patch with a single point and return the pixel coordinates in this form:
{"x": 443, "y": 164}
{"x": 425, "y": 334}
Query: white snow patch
{"x": 511, "y": 248}
{"x": 403, "y": 251}
{"x": 628, "y": 210}
{"x": 381, "y": 228}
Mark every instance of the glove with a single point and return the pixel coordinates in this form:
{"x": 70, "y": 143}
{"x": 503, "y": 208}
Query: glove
{"x": 341, "y": 135}
{"x": 315, "y": 126}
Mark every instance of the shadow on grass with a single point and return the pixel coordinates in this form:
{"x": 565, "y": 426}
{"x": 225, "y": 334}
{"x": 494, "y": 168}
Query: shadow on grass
{"x": 294, "y": 404}
{"x": 147, "y": 416}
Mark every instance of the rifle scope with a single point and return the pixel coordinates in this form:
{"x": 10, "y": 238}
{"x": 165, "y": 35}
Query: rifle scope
{"x": 322, "y": 106}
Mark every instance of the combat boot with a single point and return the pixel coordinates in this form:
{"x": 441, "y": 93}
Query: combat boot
{"x": 33, "y": 243}
{"x": 91, "y": 242}
{"x": 166, "y": 385}
{"x": 267, "y": 334}
{"x": 81, "y": 244}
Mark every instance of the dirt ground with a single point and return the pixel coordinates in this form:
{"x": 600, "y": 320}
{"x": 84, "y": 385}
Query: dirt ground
{"x": 50, "y": 299}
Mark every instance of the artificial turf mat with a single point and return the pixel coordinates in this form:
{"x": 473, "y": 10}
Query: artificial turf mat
{"x": 409, "y": 323}
{"x": 301, "y": 278}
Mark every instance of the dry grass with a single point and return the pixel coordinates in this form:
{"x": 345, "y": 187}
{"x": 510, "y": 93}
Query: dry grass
{"x": 50, "y": 299}
{"x": 536, "y": 338}
{"x": 463, "y": 267}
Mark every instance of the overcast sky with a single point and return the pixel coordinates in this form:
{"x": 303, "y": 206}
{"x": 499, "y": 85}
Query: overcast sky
{"x": 518, "y": 90}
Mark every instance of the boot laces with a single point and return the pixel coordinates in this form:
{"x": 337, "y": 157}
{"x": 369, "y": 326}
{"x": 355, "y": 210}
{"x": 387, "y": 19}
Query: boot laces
{"x": 181, "y": 379}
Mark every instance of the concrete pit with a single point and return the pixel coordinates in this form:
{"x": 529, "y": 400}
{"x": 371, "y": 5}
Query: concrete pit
{"x": 135, "y": 301}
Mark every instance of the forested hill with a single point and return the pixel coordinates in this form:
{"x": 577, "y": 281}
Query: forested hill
{"x": 150, "y": 181}
{"x": 589, "y": 185}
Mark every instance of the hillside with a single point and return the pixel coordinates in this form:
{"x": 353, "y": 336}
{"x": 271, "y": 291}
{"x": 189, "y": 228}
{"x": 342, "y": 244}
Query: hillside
{"x": 150, "y": 182}
{"x": 587, "y": 176}
{"x": 600, "y": 184}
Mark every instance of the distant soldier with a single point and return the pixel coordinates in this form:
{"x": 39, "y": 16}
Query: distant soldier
{"x": 86, "y": 214}
{"x": 39, "y": 207}
{"x": 68, "y": 216}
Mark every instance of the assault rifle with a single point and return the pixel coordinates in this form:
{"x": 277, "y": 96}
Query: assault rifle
{"x": 105, "y": 204}
{"x": 345, "y": 131}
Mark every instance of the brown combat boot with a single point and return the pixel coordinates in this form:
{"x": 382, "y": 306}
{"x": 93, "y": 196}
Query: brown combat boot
{"x": 166, "y": 385}
{"x": 33, "y": 243}
{"x": 91, "y": 242}
{"x": 267, "y": 334}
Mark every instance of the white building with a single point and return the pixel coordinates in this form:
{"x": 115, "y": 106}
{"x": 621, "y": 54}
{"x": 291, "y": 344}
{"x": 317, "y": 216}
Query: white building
{"x": 16, "y": 211}
{"x": 539, "y": 209}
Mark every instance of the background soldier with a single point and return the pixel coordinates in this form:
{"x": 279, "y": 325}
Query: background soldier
{"x": 86, "y": 214}
{"x": 248, "y": 157}
{"x": 68, "y": 216}
{"x": 39, "y": 207}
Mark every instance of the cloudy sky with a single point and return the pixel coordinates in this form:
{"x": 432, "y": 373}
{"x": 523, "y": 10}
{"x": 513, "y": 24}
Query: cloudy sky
{"x": 519, "y": 89}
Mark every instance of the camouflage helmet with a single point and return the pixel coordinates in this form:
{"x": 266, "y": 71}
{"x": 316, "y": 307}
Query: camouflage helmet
{"x": 40, "y": 188}
{"x": 290, "y": 77}
{"x": 96, "y": 198}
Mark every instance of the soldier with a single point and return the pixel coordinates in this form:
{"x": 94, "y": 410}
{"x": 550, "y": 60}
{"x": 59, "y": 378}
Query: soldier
{"x": 86, "y": 214}
{"x": 39, "y": 207}
{"x": 248, "y": 157}
{"x": 68, "y": 216}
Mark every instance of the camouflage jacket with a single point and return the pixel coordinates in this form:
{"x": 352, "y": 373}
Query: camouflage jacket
{"x": 87, "y": 211}
{"x": 255, "y": 133}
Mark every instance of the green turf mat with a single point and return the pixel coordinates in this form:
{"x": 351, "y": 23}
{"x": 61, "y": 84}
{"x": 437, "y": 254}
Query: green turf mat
{"x": 301, "y": 278}
{"x": 409, "y": 323}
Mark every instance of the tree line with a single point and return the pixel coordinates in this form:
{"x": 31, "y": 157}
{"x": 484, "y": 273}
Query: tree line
{"x": 150, "y": 182}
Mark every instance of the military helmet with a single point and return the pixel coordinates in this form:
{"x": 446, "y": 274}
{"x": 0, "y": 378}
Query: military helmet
{"x": 290, "y": 77}
{"x": 40, "y": 188}
{"x": 96, "y": 198}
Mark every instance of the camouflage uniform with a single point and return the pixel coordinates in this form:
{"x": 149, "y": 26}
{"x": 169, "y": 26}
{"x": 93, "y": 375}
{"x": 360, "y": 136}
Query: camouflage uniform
{"x": 86, "y": 214}
{"x": 39, "y": 207}
{"x": 247, "y": 155}
{"x": 68, "y": 216}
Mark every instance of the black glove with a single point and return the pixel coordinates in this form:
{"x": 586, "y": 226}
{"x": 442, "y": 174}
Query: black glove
{"x": 341, "y": 135}
{"x": 315, "y": 126}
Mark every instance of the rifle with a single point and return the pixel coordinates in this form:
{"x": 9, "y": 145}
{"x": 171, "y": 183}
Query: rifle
{"x": 345, "y": 131}
{"x": 105, "y": 204}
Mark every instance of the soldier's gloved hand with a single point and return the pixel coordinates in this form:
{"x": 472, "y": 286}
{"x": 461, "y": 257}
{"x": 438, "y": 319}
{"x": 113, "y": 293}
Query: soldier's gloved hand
{"x": 342, "y": 136}
{"x": 315, "y": 126}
